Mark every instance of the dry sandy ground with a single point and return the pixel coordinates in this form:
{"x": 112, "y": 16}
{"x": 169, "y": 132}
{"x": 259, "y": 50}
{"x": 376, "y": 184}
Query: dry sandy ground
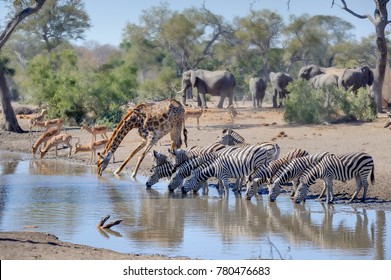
{"x": 255, "y": 126}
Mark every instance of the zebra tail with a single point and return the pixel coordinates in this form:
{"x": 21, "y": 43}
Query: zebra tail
{"x": 373, "y": 175}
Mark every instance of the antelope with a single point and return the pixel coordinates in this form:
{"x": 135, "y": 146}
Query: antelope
{"x": 44, "y": 137}
{"x": 38, "y": 117}
{"x": 55, "y": 141}
{"x": 95, "y": 130}
{"x": 32, "y": 118}
{"x": 194, "y": 112}
{"x": 49, "y": 123}
{"x": 92, "y": 147}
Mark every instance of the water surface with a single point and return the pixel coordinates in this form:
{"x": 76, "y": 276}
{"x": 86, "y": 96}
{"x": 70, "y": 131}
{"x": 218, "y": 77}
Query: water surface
{"x": 68, "y": 200}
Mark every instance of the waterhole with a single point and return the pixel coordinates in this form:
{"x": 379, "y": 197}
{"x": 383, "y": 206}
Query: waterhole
{"x": 68, "y": 200}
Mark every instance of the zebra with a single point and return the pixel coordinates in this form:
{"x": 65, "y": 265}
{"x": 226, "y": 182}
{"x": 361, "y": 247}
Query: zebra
{"x": 230, "y": 138}
{"x": 343, "y": 167}
{"x": 159, "y": 171}
{"x": 233, "y": 165}
{"x": 265, "y": 173}
{"x": 159, "y": 158}
{"x": 185, "y": 168}
{"x": 291, "y": 172}
{"x": 181, "y": 155}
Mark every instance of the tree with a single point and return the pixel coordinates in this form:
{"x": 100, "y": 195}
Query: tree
{"x": 21, "y": 10}
{"x": 380, "y": 21}
{"x": 259, "y": 32}
{"x": 316, "y": 39}
{"x": 58, "y": 21}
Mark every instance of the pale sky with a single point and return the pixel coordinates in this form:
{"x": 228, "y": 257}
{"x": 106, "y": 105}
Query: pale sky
{"x": 109, "y": 20}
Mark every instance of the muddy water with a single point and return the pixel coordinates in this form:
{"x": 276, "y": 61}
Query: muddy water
{"x": 68, "y": 200}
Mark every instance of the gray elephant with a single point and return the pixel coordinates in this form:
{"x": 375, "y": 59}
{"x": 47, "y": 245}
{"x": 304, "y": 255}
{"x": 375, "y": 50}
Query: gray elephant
{"x": 323, "y": 81}
{"x": 216, "y": 83}
{"x": 310, "y": 71}
{"x": 353, "y": 79}
{"x": 257, "y": 89}
{"x": 279, "y": 82}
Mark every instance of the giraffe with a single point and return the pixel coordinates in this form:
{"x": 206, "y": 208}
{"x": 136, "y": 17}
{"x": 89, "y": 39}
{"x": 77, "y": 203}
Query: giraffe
{"x": 153, "y": 121}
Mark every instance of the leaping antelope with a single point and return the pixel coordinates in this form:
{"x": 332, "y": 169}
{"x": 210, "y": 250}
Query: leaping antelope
{"x": 44, "y": 137}
{"x": 49, "y": 123}
{"x": 95, "y": 130}
{"x": 55, "y": 141}
{"x": 33, "y": 118}
{"x": 92, "y": 147}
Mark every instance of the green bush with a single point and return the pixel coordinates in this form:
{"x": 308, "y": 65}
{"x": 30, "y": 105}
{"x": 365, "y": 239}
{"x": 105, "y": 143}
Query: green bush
{"x": 362, "y": 107}
{"x": 306, "y": 105}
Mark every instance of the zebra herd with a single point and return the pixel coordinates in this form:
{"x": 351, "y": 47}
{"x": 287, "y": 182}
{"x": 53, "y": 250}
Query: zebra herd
{"x": 258, "y": 165}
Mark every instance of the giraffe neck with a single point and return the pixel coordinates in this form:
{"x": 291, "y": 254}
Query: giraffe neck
{"x": 126, "y": 124}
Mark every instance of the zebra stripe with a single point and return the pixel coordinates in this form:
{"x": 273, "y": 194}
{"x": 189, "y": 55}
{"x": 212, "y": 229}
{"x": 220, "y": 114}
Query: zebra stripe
{"x": 181, "y": 155}
{"x": 292, "y": 171}
{"x": 343, "y": 168}
{"x": 237, "y": 164}
{"x": 230, "y": 138}
{"x": 265, "y": 173}
{"x": 185, "y": 168}
{"x": 159, "y": 171}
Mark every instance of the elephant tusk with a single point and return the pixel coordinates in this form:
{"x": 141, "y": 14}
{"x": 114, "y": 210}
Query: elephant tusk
{"x": 182, "y": 90}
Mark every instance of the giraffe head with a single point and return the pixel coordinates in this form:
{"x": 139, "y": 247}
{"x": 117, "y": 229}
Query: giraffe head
{"x": 103, "y": 161}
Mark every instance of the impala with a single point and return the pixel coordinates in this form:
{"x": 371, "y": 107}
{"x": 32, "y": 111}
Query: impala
{"x": 55, "y": 141}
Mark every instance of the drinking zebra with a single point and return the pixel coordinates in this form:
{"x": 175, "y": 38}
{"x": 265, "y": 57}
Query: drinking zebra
{"x": 231, "y": 165}
{"x": 161, "y": 168}
{"x": 185, "y": 168}
{"x": 292, "y": 172}
{"x": 181, "y": 155}
{"x": 265, "y": 173}
{"x": 343, "y": 167}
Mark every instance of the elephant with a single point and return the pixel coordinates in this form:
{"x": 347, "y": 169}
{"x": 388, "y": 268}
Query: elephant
{"x": 310, "y": 71}
{"x": 279, "y": 82}
{"x": 217, "y": 83}
{"x": 324, "y": 80}
{"x": 257, "y": 89}
{"x": 353, "y": 79}
{"x": 347, "y": 78}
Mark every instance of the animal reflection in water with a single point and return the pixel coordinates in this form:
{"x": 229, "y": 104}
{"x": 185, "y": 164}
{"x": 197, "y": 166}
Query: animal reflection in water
{"x": 163, "y": 220}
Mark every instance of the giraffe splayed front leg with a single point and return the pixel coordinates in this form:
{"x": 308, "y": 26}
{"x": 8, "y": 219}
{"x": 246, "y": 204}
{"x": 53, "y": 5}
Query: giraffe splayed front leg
{"x": 153, "y": 121}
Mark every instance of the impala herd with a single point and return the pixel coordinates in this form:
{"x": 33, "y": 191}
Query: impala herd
{"x": 51, "y": 137}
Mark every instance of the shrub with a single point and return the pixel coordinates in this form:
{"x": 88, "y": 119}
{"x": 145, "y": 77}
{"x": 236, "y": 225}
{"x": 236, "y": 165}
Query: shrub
{"x": 304, "y": 104}
{"x": 308, "y": 105}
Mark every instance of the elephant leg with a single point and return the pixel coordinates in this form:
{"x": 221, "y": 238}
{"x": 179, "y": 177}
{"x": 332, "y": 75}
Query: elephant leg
{"x": 275, "y": 99}
{"x": 221, "y": 102}
{"x": 201, "y": 99}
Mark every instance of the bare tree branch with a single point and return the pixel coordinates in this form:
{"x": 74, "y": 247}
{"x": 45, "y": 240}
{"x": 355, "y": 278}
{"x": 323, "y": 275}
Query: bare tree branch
{"x": 346, "y": 8}
{"x": 9, "y": 29}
